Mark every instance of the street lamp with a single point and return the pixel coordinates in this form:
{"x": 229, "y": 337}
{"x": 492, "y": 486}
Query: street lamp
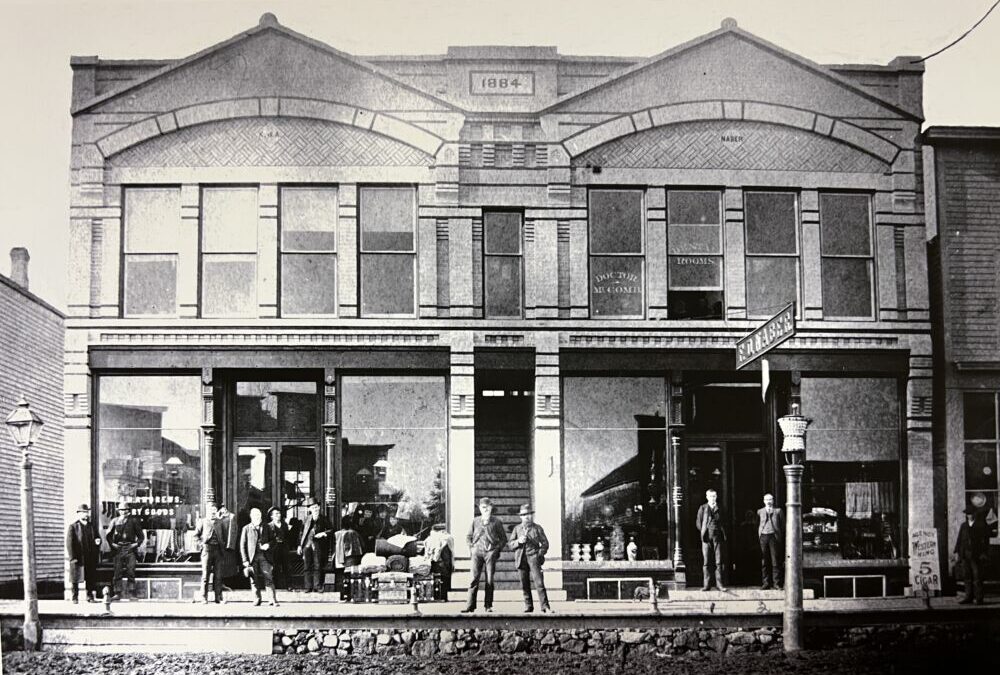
{"x": 794, "y": 448}
{"x": 25, "y": 427}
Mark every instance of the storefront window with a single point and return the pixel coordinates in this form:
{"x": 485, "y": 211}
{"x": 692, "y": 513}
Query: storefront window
{"x": 149, "y": 455}
{"x": 851, "y": 492}
{"x": 388, "y": 250}
{"x": 151, "y": 219}
{"x": 286, "y": 407}
{"x": 617, "y": 281}
{"x": 395, "y": 448}
{"x": 614, "y": 449}
{"x": 846, "y": 234}
{"x": 229, "y": 252}
{"x": 982, "y": 444}
{"x": 694, "y": 241}
{"x": 772, "y": 251}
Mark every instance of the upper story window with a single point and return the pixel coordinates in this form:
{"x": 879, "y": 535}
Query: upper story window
{"x": 308, "y": 241}
{"x": 387, "y": 224}
{"x": 694, "y": 242}
{"x": 772, "y": 251}
{"x": 229, "y": 252}
{"x": 848, "y": 260}
{"x": 617, "y": 278}
{"x": 502, "y": 253}
{"x": 151, "y": 220}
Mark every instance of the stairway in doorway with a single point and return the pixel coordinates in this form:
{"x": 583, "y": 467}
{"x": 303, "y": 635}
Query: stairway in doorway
{"x": 503, "y": 475}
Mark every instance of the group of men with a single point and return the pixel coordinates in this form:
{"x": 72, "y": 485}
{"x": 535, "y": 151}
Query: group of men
{"x": 487, "y": 539}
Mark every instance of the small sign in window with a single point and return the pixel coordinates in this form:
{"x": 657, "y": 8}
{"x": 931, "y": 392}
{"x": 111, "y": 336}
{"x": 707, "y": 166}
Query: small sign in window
{"x": 500, "y": 83}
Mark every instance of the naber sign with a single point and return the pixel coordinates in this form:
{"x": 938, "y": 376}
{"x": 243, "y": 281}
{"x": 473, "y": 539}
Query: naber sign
{"x": 778, "y": 329}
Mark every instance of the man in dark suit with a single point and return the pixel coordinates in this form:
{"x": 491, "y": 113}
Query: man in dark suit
{"x": 971, "y": 550}
{"x": 713, "y": 538}
{"x": 771, "y": 532}
{"x": 255, "y": 550}
{"x": 125, "y": 537}
{"x": 83, "y": 547}
{"x": 280, "y": 538}
{"x": 314, "y": 547}
{"x": 486, "y": 538}
{"x": 529, "y": 543}
{"x": 213, "y": 534}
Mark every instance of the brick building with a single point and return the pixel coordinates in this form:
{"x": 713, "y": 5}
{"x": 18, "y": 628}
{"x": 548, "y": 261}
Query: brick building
{"x": 399, "y": 283}
{"x": 31, "y": 334}
{"x": 963, "y": 231}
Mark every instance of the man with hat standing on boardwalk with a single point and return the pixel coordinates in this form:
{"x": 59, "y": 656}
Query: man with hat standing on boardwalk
{"x": 529, "y": 543}
{"x": 971, "y": 549}
{"x": 486, "y": 538}
{"x": 212, "y": 532}
{"x": 83, "y": 547}
{"x": 125, "y": 537}
{"x": 314, "y": 547}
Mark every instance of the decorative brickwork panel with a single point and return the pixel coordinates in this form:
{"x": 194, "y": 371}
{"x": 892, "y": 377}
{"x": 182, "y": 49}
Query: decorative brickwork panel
{"x": 271, "y": 142}
{"x": 728, "y": 145}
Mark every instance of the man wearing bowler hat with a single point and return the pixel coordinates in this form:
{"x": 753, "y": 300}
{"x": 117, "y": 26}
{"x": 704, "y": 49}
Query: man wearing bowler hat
{"x": 530, "y": 545}
{"x": 125, "y": 537}
{"x": 212, "y": 533}
{"x": 971, "y": 549}
{"x": 83, "y": 547}
{"x": 486, "y": 538}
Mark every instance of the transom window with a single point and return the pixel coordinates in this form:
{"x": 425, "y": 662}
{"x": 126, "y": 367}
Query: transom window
{"x": 308, "y": 251}
{"x": 502, "y": 260}
{"x": 151, "y": 220}
{"x": 848, "y": 260}
{"x": 617, "y": 278}
{"x": 772, "y": 251}
{"x": 387, "y": 224}
{"x": 694, "y": 243}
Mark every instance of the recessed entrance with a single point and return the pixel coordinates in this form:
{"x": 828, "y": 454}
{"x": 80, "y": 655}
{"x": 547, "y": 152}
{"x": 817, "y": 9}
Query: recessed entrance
{"x": 259, "y": 485}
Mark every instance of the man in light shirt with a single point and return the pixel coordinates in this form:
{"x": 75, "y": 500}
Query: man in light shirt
{"x": 771, "y": 531}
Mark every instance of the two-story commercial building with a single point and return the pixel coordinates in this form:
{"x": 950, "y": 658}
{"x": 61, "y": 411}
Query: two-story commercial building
{"x": 401, "y": 283}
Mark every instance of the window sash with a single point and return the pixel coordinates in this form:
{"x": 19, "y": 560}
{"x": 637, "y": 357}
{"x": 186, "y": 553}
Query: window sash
{"x": 748, "y": 199}
{"x": 295, "y": 227}
{"x": 229, "y": 221}
{"x": 364, "y": 221}
{"x": 826, "y": 270}
{"x": 210, "y": 304}
{"x": 329, "y": 284}
{"x": 142, "y": 236}
{"x": 513, "y": 290}
{"x": 368, "y": 256}
{"x": 618, "y": 248}
{"x": 170, "y": 289}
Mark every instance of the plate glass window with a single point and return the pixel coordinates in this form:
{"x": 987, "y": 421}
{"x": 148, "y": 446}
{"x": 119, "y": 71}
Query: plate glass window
{"x": 388, "y": 251}
{"x": 772, "y": 251}
{"x": 848, "y": 261}
{"x": 151, "y": 217}
{"x": 503, "y": 262}
{"x": 308, "y": 251}
{"x": 229, "y": 252}
{"x": 617, "y": 281}
{"x": 694, "y": 241}
{"x": 982, "y": 448}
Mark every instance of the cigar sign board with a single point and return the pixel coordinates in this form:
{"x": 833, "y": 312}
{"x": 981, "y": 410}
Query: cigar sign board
{"x": 777, "y": 329}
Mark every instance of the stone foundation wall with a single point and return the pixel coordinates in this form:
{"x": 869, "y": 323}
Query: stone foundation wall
{"x": 662, "y": 641}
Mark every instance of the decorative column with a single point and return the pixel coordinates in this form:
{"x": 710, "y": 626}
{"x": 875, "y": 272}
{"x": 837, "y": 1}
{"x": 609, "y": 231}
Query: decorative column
{"x": 207, "y": 437}
{"x": 331, "y": 430}
{"x": 793, "y": 427}
{"x": 680, "y": 570}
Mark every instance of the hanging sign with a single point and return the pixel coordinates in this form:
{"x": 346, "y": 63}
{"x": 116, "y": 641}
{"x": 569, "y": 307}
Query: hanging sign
{"x": 777, "y": 329}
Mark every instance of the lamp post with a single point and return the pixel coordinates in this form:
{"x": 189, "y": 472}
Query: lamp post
{"x": 25, "y": 427}
{"x": 793, "y": 427}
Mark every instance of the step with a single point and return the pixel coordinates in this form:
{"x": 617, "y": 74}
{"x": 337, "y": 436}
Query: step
{"x": 503, "y": 485}
{"x": 732, "y": 594}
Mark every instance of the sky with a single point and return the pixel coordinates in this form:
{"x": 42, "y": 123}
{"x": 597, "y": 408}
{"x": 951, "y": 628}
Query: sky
{"x": 37, "y": 38}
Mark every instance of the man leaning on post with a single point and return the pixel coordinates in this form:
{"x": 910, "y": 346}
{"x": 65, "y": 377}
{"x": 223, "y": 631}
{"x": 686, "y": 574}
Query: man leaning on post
{"x": 486, "y": 538}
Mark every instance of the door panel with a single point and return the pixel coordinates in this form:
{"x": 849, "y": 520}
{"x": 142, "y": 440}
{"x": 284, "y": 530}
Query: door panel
{"x": 704, "y": 471}
{"x": 746, "y": 496}
{"x": 254, "y": 479}
{"x": 297, "y": 479}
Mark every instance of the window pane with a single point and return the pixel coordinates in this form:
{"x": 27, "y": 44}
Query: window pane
{"x": 503, "y": 232}
{"x": 695, "y": 272}
{"x": 503, "y": 286}
{"x": 148, "y": 454}
{"x": 615, "y": 221}
{"x": 308, "y": 283}
{"x": 855, "y": 419}
{"x": 771, "y": 284}
{"x": 980, "y": 466}
{"x": 846, "y": 224}
{"x": 229, "y": 286}
{"x": 771, "y": 222}
{"x": 308, "y": 219}
{"x": 152, "y": 216}
{"x": 616, "y": 286}
{"x": 395, "y": 455}
{"x": 386, "y": 284}
{"x": 229, "y": 219}
{"x": 150, "y": 285}
{"x": 695, "y": 304}
{"x": 690, "y": 207}
{"x": 276, "y": 406}
{"x": 741, "y": 401}
{"x": 847, "y": 287}
{"x": 387, "y": 216}
{"x": 695, "y": 239}
{"x": 980, "y": 416}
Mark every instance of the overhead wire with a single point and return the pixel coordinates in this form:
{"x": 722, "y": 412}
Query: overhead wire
{"x": 961, "y": 37}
